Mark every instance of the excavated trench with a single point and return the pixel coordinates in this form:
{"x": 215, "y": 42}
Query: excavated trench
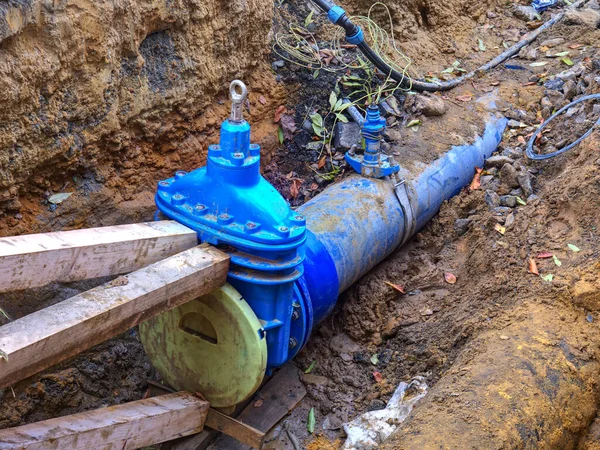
{"x": 102, "y": 99}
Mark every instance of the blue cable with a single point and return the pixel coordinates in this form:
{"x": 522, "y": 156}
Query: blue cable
{"x": 536, "y": 156}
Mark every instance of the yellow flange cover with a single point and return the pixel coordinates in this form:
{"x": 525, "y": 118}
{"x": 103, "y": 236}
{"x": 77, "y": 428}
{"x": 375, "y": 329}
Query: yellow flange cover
{"x": 211, "y": 345}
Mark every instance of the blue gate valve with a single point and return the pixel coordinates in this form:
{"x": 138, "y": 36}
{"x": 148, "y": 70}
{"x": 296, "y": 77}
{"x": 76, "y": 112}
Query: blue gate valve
{"x": 373, "y": 163}
{"x": 230, "y": 205}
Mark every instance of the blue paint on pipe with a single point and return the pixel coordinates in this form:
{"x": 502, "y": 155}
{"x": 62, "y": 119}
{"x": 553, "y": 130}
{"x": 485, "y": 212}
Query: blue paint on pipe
{"x": 359, "y": 221}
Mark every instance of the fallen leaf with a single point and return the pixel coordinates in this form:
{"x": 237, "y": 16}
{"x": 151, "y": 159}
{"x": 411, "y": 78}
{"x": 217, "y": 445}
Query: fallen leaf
{"x": 310, "y": 422}
{"x": 476, "y": 181}
{"x": 258, "y": 403}
{"x": 314, "y": 186}
{"x": 494, "y": 83}
{"x": 311, "y": 366}
{"x": 567, "y": 61}
{"x": 280, "y": 136}
{"x": 520, "y": 201}
{"x": 413, "y": 123}
{"x": 481, "y": 45}
{"x": 499, "y": 228}
{"x": 521, "y": 140}
{"x": 295, "y": 187}
{"x": 575, "y": 46}
{"x": 556, "y": 261}
{"x": 544, "y": 255}
{"x": 427, "y": 312}
{"x": 464, "y": 98}
{"x": 450, "y": 278}
{"x": 278, "y": 112}
{"x": 548, "y": 277}
{"x": 288, "y": 126}
{"x": 504, "y": 337}
{"x": 378, "y": 377}
{"x": 533, "y": 267}
{"x": 573, "y": 248}
{"x": 321, "y": 162}
{"x": 538, "y": 63}
{"x": 262, "y": 99}
{"x": 558, "y": 55}
{"x": 397, "y": 287}
{"x": 59, "y": 198}
{"x": 374, "y": 359}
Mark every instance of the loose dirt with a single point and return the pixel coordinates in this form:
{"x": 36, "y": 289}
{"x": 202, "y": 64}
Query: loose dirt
{"x": 511, "y": 359}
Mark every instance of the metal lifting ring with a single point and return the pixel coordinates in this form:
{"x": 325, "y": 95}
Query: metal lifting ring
{"x": 237, "y": 100}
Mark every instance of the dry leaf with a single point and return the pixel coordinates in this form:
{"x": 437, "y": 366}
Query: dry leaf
{"x": 544, "y": 255}
{"x": 314, "y": 186}
{"x": 533, "y": 267}
{"x": 494, "y": 83}
{"x": 397, "y": 287}
{"x": 465, "y": 98}
{"x": 278, "y": 112}
{"x": 575, "y": 46}
{"x": 450, "y": 277}
{"x": 294, "y": 188}
{"x": 378, "y": 377}
{"x": 288, "y": 126}
{"x": 499, "y": 228}
{"x": 262, "y": 100}
{"x": 321, "y": 162}
{"x": 258, "y": 403}
{"x": 476, "y": 182}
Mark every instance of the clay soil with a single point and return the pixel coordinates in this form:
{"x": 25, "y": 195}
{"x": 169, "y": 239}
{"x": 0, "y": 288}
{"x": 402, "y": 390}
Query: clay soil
{"x": 511, "y": 358}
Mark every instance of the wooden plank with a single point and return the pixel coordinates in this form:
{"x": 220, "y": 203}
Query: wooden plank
{"x": 38, "y": 259}
{"x": 239, "y": 431}
{"x": 46, "y": 337}
{"x": 123, "y": 427}
{"x": 279, "y": 396}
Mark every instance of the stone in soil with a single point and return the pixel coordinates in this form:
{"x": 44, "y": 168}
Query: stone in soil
{"x": 523, "y": 12}
{"x": 429, "y": 105}
{"x": 492, "y": 198}
{"x": 587, "y": 17}
{"x": 461, "y": 226}
{"x": 508, "y": 200}
{"x": 508, "y": 175}
{"x": 346, "y": 135}
{"x": 498, "y": 161}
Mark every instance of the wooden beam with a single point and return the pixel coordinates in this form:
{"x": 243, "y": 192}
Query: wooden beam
{"x": 279, "y": 396}
{"x": 239, "y": 431}
{"x": 38, "y": 259}
{"x": 51, "y": 335}
{"x": 123, "y": 427}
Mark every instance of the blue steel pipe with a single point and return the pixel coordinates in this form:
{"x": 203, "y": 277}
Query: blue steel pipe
{"x": 354, "y": 224}
{"x": 290, "y": 266}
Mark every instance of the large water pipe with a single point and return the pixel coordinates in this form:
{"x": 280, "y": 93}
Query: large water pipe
{"x": 287, "y": 267}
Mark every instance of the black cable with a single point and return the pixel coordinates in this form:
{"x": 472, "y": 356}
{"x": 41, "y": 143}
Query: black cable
{"x": 405, "y": 81}
{"x": 536, "y": 156}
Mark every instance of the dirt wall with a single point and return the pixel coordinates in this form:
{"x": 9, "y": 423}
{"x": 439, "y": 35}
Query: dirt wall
{"x": 103, "y": 98}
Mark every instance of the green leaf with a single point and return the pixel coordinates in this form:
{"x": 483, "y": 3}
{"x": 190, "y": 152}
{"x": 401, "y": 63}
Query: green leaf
{"x": 341, "y": 117}
{"x": 567, "y": 61}
{"x": 314, "y": 145}
{"x": 317, "y": 129}
{"x": 449, "y": 70}
{"x": 310, "y": 423}
{"x": 374, "y": 359}
{"x": 481, "y": 45}
{"x": 573, "y": 248}
{"x": 332, "y": 99}
{"x": 311, "y": 367}
{"x": 520, "y": 201}
{"x": 558, "y": 55}
{"x": 413, "y": 123}
{"x": 3, "y": 355}
{"x": 538, "y": 63}
{"x": 549, "y": 277}
{"x": 316, "y": 119}
{"x": 4, "y": 314}
{"x": 556, "y": 261}
{"x": 338, "y": 105}
{"x": 280, "y": 135}
{"x": 59, "y": 198}
{"x": 315, "y": 74}
{"x": 309, "y": 18}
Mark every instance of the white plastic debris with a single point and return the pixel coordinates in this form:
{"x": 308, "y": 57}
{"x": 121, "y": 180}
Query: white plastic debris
{"x": 372, "y": 428}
